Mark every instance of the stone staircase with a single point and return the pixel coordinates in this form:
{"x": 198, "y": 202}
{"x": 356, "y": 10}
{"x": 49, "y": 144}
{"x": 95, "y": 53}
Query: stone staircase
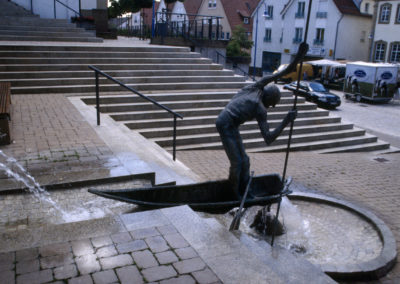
{"x": 18, "y": 24}
{"x": 314, "y": 129}
{"x": 179, "y": 79}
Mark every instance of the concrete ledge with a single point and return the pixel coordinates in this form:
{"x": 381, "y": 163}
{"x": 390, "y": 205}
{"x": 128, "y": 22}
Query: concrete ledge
{"x": 368, "y": 270}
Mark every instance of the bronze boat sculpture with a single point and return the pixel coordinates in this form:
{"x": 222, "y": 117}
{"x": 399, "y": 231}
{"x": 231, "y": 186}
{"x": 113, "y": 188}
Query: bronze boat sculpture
{"x": 211, "y": 196}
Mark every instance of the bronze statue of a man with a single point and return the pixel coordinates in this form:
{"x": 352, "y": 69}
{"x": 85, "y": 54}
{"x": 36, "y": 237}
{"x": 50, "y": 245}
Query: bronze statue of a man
{"x": 251, "y": 102}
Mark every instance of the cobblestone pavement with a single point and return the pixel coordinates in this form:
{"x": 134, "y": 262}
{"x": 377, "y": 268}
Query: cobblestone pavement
{"x": 50, "y": 136}
{"x": 364, "y": 179}
{"x": 153, "y": 255}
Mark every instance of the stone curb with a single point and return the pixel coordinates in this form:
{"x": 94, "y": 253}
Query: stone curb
{"x": 372, "y": 269}
{"x": 81, "y": 183}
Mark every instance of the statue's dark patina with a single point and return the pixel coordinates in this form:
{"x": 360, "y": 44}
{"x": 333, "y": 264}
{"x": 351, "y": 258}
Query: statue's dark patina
{"x": 251, "y": 102}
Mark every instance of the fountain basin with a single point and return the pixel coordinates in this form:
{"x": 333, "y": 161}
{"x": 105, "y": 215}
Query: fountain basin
{"x": 368, "y": 266}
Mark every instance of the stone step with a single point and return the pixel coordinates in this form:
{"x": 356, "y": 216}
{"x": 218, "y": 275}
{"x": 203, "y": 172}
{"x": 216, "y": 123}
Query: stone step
{"x": 114, "y": 73}
{"x": 30, "y": 33}
{"x": 280, "y": 113}
{"x": 177, "y": 105}
{"x": 138, "y": 87}
{"x": 93, "y": 54}
{"x": 97, "y": 48}
{"x": 44, "y": 29}
{"x": 97, "y": 61}
{"x": 9, "y": 8}
{"x": 49, "y": 38}
{"x": 318, "y": 145}
{"x": 108, "y": 66}
{"x": 124, "y": 98}
{"x": 311, "y": 140}
{"x": 375, "y": 146}
{"x": 254, "y": 135}
{"x": 159, "y": 132}
{"x": 198, "y": 120}
{"x": 50, "y": 82}
{"x": 34, "y": 21}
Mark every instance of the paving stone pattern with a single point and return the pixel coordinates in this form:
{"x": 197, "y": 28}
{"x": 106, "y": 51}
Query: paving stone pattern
{"x": 98, "y": 260}
{"x": 50, "y": 135}
{"x": 361, "y": 178}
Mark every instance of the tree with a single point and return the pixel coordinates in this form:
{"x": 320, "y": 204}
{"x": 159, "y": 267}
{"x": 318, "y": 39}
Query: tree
{"x": 239, "y": 44}
{"x": 119, "y": 7}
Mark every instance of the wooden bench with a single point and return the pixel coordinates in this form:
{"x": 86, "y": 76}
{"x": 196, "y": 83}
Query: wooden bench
{"x": 5, "y": 113}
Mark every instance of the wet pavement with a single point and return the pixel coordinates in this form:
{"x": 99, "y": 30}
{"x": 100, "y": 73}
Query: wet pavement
{"x": 56, "y": 143}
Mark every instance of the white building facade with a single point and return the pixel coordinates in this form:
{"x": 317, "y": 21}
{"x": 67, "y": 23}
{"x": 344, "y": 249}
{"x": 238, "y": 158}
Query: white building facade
{"x": 335, "y": 31}
{"x": 386, "y": 41}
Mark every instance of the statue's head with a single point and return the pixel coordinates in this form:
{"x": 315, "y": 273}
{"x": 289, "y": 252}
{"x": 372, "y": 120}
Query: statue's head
{"x": 271, "y": 95}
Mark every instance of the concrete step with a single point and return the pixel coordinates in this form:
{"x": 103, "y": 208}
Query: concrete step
{"x": 177, "y": 105}
{"x": 50, "y": 82}
{"x": 93, "y": 54}
{"x": 138, "y": 87}
{"x": 313, "y": 141}
{"x": 97, "y": 61}
{"x": 318, "y": 145}
{"x": 49, "y": 38}
{"x": 108, "y": 66}
{"x": 98, "y": 48}
{"x": 46, "y": 29}
{"x": 114, "y": 73}
{"x": 124, "y": 98}
{"x": 207, "y": 119}
{"x": 381, "y": 146}
{"x": 254, "y": 135}
{"x": 160, "y": 132}
{"x": 30, "y": 33}
{"x": 212, "y": 111}
{"x": 34, "y": 21}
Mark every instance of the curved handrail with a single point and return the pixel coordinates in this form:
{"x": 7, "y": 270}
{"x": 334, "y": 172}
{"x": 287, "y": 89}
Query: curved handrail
{"x": 66, "y": 6}
{"x": 175, "y": 114}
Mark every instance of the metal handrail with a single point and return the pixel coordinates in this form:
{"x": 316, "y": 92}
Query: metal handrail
{"x": 66, "y": 6}
{"x": 227, "y": 59}
{"x": 175, "y": 114}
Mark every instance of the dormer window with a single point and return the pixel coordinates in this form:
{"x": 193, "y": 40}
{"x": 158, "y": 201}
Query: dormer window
{"x": 245, "y": 20}
{"x": 212, "y": 4}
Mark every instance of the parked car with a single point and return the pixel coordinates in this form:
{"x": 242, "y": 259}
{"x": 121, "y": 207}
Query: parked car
{"x": 315, "y": 92}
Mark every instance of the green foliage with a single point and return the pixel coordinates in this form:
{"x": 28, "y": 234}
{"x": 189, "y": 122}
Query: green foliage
{"x": 239, "y": 43}
{"x": 119, "y": 7}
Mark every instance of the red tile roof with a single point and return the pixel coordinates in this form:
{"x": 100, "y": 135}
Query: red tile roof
{"x": 192, "y": 7}
{"x": 348, "y": 7}
{"x": 235, "y": 10}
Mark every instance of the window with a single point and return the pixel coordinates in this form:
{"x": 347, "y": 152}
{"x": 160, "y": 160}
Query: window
{"x": 300, "y": 9}
{"x": 397, "y": 21}
{"x": 245, "y": 20}
{"x": 384, "y": 15}
{"x": 319, "y": 37}
{"x": 298, "y": 37}
{"x": 380, "y": 48}
{"x": 395, "y": 52}
{"x": 222, "y": 35}
{"x": 366, "y": 8}
{"x": 212, "y": 4}
{"x": 267, "y": 37}
{"x": 269, "y": 12}
{"x": 228, "y": 35}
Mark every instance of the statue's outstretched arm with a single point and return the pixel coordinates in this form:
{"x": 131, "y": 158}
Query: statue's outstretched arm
{"x": 303, "y": 48}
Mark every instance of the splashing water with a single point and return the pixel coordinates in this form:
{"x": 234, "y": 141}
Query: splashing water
{"x": 298, "y": 230}
{"x": 16, "y": 171}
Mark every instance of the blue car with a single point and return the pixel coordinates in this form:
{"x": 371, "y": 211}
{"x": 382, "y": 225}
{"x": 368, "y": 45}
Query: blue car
{"x": 315, "y": 92}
